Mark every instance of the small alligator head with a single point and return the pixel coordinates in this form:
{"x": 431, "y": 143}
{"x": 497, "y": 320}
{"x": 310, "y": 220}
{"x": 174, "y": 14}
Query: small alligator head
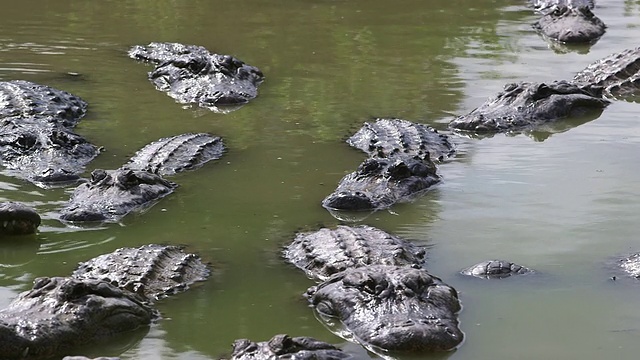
{"x": 60, "y": 314}
{"x": 112, "y": 194}
{"x": 495, "y": 269}
{"x": 526, "y": 105}
{"x": 379, "y": 183}
{"x": 569, "y": 24}
{"x": 391, "y": 308}
{"x": 286, "y": 347}
{"x": 207, "y": 79}
{"x": 17, "y": 219}
{"x": 42, "y": 151}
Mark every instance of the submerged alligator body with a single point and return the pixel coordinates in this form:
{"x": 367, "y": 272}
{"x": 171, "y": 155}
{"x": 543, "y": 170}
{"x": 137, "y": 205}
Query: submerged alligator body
{"x": 495, "y": 269}
{"x": 379, "y": 183}
{"x": 112, "y": 194}
{"x": 282, "y": 347}
{"x": 17, "y": 219}
{"x": 618, "y": 74}
{"x": 153, "y": 270}
{"x": 525, "y": 105}
{"x": 36, "y": 141}
{"x": 326, "y": 252}
{"x": 390, "y": 308}
{"x": 61, "y": 314}
{"x": 388, "y": 137}
{"x": 192, "y": 75}
{"x": 175, "y": 154}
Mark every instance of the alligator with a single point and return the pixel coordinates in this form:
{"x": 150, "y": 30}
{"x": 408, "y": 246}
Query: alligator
{"x": 390, "y": 308}
{"x": 25, "y": 99}
{"x": 525, "y": 105}
{"x": 86, "y": 358}
{"x": 192, "y": 75}
{"x": 36, "y": 141}
{"x": 618, "y": 73}
{"x": 60, "y": 314}
{"x": 495, "y": 269}
{"x": 17, "y": 219}
{"x": 387, "y": 137}
{"x": 153, "y": 270}
{"x": 378, "y": 183}
{"x": 568, "y": 24}
{"x": 325, "y": 252}
{"x": 282, "y": 347}
{"x": 112, "y": 194}
{"x": 174, "y": 154}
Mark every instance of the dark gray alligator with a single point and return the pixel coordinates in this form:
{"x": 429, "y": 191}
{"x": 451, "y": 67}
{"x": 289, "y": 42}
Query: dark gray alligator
{"x": 60, "y": 314}
{"x": 379, "y": 183}
{"x": 618, "y": 73}
{"x": 282, "y": 347}
{"x": 153, "y": 270}
{"x": 388, "y": 137}
{"x": 495, "y": 269}
{"x": 36, "y": 141}
{"x": 175, "y": 154}
{"x": 390, "y": 308}
{"x": 325, "y": 252}
{"x": 17, "y": 219}
{"x": 192, "y": 75}
{"x": 25, "y": 99}
{"x": 112, "y": 194}
{"x": 570, "y": 24}
{"x": 525, "y": 105}
{"x": 104, "y": 298}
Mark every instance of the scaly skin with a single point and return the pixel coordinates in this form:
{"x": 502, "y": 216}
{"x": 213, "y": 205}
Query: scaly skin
{"x": 495, "y": 269}
{"x": 525, "y": 105}
{"x": 391, "y": 308}
{"x": 379, "y": 183}
{"x": 153, "y": 270}
{"x": 112, "y": 194}
{"x": 192, "y": 75}
{"x": 326, "y": 252}
{"x": 282, "y": 347}
{"x": 171, "y": 155}
{"x": 618, "y": 73}
{"x": 61, "y": 314}
{"x": 387, "y": 138}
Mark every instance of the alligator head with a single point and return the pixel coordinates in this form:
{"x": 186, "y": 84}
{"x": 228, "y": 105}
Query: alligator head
{"x": 569, "y": 24}
{"x": 391, "y": 308}
{"x": 42, "y": 151}
{"x": 379, "y": 183}
{"x": 526, "y": 105}
{"x": 17, "y": 219}
{"x": 112, "y": 194}
{"x": 282, "y": 347}
{"x": 495, "y": 269}
{"x": 60, "y": 314}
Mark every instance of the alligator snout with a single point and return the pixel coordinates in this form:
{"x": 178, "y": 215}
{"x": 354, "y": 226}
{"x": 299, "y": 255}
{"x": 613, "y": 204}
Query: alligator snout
{"x": 355, "y": 201}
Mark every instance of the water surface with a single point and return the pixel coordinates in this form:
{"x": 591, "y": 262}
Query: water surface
{"x": 564, "y": 204}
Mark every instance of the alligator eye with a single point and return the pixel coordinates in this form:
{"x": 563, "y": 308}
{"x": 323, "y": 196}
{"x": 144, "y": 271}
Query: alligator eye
{"x": 399, "y": 171}
{"x": 419, "y": 168}
{"x": 542, "y": 91}
{"x": 97, "y": 175}
{"x": 325, "y": 308}
{"x": 369, "y": 166}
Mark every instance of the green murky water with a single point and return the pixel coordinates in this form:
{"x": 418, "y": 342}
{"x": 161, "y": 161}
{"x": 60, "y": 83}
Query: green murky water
{"x": 564, "y": 204}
